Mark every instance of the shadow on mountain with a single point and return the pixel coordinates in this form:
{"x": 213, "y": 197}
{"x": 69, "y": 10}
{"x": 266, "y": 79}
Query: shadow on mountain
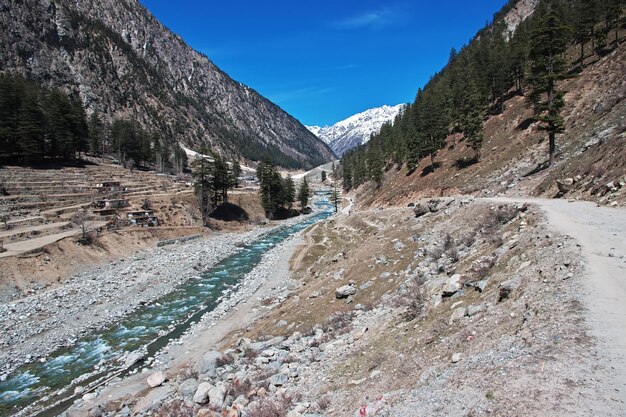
{"x": 525, "y": 124}
{"x": 229, "y": 212}
{"x": 462, "y": 163}
{"x": 430, "y": 169}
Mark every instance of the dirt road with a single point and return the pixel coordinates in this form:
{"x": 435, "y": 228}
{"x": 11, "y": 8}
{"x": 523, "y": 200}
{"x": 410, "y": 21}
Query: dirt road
{"x": 601, "y": 231}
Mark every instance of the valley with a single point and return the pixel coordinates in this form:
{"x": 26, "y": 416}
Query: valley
{"x": 174, "y": 244}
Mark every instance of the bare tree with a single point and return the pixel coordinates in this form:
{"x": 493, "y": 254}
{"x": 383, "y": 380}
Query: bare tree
{"x": 81, "y": 219}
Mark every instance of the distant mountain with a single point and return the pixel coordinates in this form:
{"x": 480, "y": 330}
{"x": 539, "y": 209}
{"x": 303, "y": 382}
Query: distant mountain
{"x": 355, "y": 130}
{"x": 121, "y": 61}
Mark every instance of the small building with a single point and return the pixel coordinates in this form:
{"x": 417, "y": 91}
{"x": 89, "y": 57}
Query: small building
{"x": 106, "y": 203}
{"x": 143, "y": 218}
{"x": 109, "y": 187}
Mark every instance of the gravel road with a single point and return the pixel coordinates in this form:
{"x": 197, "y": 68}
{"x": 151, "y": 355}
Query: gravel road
{"x": 601, "y": 232}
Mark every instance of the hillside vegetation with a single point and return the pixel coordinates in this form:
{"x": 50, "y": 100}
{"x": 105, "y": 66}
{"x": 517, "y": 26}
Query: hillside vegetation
{"x": 479, "y": 124}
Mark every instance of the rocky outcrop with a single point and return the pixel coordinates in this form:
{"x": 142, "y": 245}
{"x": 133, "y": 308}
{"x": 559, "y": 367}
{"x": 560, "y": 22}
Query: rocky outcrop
{"x": 121, "y": 61}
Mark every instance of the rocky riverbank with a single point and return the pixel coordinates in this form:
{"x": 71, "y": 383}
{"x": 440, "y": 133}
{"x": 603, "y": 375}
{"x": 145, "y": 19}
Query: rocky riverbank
{"x": 37, "y": 325}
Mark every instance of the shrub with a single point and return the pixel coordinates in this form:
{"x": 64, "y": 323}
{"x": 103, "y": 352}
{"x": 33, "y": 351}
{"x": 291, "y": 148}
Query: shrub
{"x": 411, "y": 298}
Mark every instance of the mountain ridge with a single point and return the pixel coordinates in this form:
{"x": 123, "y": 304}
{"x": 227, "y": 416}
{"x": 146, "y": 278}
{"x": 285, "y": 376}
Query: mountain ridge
{"x": 356, "y": 129}
{"x": 121, "y": 61}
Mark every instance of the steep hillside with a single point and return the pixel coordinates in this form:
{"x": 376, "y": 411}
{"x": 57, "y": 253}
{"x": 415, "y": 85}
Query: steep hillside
{"x": 123, "y": 63}
{"x": 356, "y": 129}
{"x": 590, "y": 154}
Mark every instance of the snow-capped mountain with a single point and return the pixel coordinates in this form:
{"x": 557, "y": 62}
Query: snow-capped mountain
{"x": 355, "y": 130}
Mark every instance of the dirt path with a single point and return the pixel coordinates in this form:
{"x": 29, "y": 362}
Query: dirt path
{"x": 29, "y": 229}
{"x": 18, "y": 248}
{"x": 297, "y": 262}
{"x": 601, "y": 231}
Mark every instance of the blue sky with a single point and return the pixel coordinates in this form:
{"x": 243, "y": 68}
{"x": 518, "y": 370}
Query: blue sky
{"x": 323, "y": 61}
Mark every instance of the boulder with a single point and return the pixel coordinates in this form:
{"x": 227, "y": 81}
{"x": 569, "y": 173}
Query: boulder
{"x": 217, "y": 394}
{"x": 420, "y": 209}
{"x": 345, "y": 291}
{"x": 473, "y": 310}
{"x": 452, "y": 285}
{"x": 456, "y": 357}
{"x": 457, "y": 314}
{"x": 507, "y": 287}
{"x": 202, "y": 393}
{"x": 133, "y": 358}
{"x": 279, "y": 379}
{"x": 188, "y": 388}
{"x": 208, "y": 363}
{"x": 565, "y": 184}
{"x": 156, "y": 379}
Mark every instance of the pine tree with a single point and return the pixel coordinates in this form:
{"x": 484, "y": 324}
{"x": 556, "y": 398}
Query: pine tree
{"x": 346, "y": 168}
{"x": 335, "y": 198}
{"x": 472, "y": 116}
{"x": 95, "y": 133}
{"x": 236, "y": 173}
{"x": 30, "y": 128}
{"x": 547, "y": 68}
{"x": 323, "y": 176}
{"x": 202, "y": 173}
{"x": 585, "y": 19}
{"x": 375, "y": 165}
{"x": 289, "y": 192}
{"x": 303, "y": 194}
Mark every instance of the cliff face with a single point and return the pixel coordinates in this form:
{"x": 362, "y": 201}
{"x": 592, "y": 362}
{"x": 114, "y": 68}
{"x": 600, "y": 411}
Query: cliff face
{"x": 124, "y": 63}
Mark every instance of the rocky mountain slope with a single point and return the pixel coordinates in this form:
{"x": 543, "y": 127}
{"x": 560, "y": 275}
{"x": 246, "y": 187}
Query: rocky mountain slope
{"x": 356, "y": 129}
{"x": 123, "y": 62}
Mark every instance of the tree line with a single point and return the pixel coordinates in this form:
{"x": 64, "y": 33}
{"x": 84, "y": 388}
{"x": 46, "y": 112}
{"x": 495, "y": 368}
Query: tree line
{"x": 39, "y": 124}
{"x": 213, "y": 176}
{"x": 277, "y": 193}
{"x": 478, "y": 79}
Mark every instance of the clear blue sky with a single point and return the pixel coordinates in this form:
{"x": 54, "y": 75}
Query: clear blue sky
{"x": 324, "y": 60}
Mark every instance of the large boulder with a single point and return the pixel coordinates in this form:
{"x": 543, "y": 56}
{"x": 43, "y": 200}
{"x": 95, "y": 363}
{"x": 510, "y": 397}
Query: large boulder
{"x": 345, "y": 291}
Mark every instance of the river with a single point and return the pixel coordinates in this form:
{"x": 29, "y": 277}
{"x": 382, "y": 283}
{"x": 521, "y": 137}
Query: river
{"x": 148, "y": 329}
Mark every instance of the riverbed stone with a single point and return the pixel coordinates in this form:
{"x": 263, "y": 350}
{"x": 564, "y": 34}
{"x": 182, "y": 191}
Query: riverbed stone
{"x": 208, "y": 363}
{"x": 188, "y": 388}
{"x": 202, "y": 393}
{"x": 157, "y": 378}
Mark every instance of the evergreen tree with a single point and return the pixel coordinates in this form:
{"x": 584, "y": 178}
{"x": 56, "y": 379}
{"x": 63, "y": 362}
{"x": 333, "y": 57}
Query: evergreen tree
{"x": 347, "y": 175}
{"x": 303, "y": 194}
{"x": 547, "y": 68}
{"x": 323, "y": 176}
{"x": 95, "y": 134}
{"x": 202, "y": 172}
{"x": 31, "y": 128}
{"x": 289, "y": 192}
{"x": 236, "y": 173}
{"x": 375, "y": 165}
{"x": 585, "y": 20}
{"x": 335, "y": 198}
{"x": 222, "y": 180}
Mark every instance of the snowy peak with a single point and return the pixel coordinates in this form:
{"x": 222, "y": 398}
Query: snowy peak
{"x": 355, "y": 130}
